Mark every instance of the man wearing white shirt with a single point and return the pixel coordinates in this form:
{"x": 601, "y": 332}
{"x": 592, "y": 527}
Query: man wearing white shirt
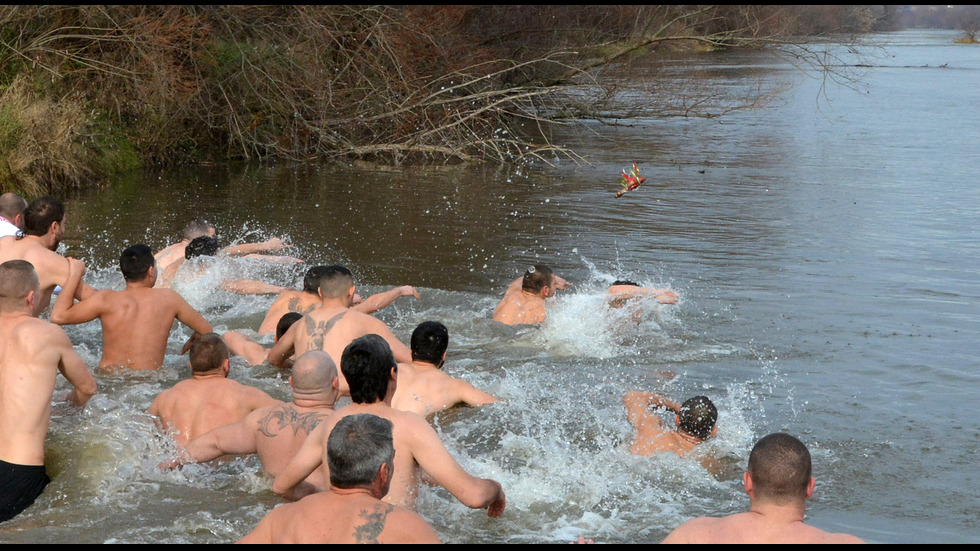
{"x": 11, "y": 213}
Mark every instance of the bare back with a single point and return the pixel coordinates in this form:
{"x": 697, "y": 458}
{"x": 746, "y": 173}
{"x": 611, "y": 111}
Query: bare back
{"x": 32, "y": 352}
{"x": 520, "y": 307}
{"x": 300, "y": 302}
{"x": 195, "y": 406}
{"x": 753, "y": 528}
{"x": 136, "y": 325}
{"x": 51, "y": 267}
{"x": 280, "y": 431}
{"x": 426, "y": 390}
{"x": 345, "y": 518}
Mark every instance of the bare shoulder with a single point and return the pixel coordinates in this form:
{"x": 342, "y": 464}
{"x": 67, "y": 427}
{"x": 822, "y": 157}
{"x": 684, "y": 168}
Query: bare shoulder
{"x": 407, "y": 526}
{"x": 698, "y": 530}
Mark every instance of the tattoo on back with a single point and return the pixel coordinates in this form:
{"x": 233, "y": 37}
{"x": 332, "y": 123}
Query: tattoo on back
{"x": 374, "y": 523}
{"x": 282, "y": 417}
{"x": 293, "y": 306}
{"x": 317, "y": 331}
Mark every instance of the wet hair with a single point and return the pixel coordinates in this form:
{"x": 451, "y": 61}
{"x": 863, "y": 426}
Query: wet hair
{"x": 335, "y": 281}
{"x": 780, "y": 467}
{"x": 11, "y": 205}
{"x": 135, "y": 262}
{"x": 207, "y": 353}
{"x": 537, "y": 277}
{"x": 357, "y": 447}
{"x": 201, "y": 246}
{"x": 698, "y": 416}
{"x": 197, "y": 228}
{"x": 285, "y": 322}
{"x": 625, "y": 282}
{"x": 41, "y": 213}
{"x": 429, "y": 342}
{"x": 17, "y": 278}
{"x": 366, "y": 364}
{"x": 311, "y": 281}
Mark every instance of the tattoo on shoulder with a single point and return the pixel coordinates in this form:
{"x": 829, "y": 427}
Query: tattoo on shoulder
{"x": 282, "y": 417}
{"x": 317, "y": 331}
{"x": 373, "y": 523}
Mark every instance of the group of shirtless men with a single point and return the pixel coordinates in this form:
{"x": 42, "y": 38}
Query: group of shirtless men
{"x": 359, "y": 465}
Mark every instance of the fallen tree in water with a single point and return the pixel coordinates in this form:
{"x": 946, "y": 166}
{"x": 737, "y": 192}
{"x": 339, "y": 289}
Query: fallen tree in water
{"x": 125, "y": 86}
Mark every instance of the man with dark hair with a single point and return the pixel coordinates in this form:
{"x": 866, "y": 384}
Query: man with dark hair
{"x": 207, "y": 246}
{"x": 136, "y": 321}
{"x": 209, "y": 399}
{"x": 276, "y": 432}
{"x": 32, "y": 353}
{"x": 423, "y": 387}
{"x": 44, "y": 227}
{"x": 622, "y": 291}
{"x": 778, "y": 483}
{"x": 695, "y": 420}
{"x": 524, "y": 300}
{"x": 202, "y": 228}
{"x": 361, "y": 454}
{"x": 12, "y": 208}
{"x": 370, "y": 369}
{"x": 308, "y": 299}
{"x": 333, "y": 325}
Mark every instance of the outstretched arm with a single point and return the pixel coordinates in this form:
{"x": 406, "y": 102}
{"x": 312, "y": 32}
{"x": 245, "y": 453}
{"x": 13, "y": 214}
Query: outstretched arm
{"x": 240, "y": 345}
{"x": 65, "y": 310}
{"x": 378, "y": 301}
{"x": 472, "y": 396}
{"x": 638, "y": 409}
{"x": 436, "y": 461}
{"x": 274, "y": 244}
{"x": 236, "y": 438}
{"x": 251, "y": 287}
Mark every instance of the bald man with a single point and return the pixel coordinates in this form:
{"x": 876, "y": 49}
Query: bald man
{"x": 276, "y": 432}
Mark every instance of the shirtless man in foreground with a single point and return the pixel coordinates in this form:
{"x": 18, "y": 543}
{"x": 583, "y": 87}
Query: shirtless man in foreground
{"x": 524, "y": 300}
{"x": 44, "y": 226}
{"x": 276, "y": 432}
{"x": 209, "y": 399}
{"x": 423, "y": 387}
{"x": 333, "y": 325}
{"x": 308, "y": 299}
{"x": 695, "y": 421}
{"x": 778, "y": 483}
{"x": 136, "y": 322}
{"x": 360, "y": 452}
{"x": 371, "y": 371}
{"x": 32, "y": 353}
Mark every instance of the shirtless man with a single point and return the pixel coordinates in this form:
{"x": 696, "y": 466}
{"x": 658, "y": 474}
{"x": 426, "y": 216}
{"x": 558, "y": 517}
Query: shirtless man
{"x": 360, "y": 452}
{"x": 209, "y": 399}
{"x": 333, "y": 325}
{"x": 524, "y": 300}
{"x": 136, "y": 322}
{"x": 695, "y": 420}
{"x": 254, "y": 353}
{"x": 12, "y": 208}
{"x": 208, "y": 246}
{"x": 307, "y": 300}
{"x": 32, "y": 352}
{"x": 276, "y": 432}
{"x": 371, "y": 371}
{"x": 423, "y": 387}
{"x": 44, "y": 226}
{"x": 623, "y": 291}
{"x": 778, "y": 483}
{"x": 200, "y": 228}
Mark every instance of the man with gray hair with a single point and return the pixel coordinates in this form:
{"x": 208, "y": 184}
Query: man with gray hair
{"x": 12, "y": 208}
{"x": 276, "y": 432}
{"x": 360, "y": 452}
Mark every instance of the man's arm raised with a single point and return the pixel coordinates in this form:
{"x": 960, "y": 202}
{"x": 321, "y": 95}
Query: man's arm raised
{"x": 380, "y": 300}
{"x": 638, "y": 412}
{"x": 68, "y": 312}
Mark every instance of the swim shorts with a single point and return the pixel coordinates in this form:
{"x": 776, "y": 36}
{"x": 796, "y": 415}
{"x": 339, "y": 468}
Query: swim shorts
{"x": 20, "y": 485}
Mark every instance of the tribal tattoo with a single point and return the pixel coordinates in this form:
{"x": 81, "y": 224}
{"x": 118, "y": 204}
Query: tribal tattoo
{"x": 284, "y": 416}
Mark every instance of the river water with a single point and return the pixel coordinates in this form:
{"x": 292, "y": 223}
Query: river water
{"x": 825, "y": 251}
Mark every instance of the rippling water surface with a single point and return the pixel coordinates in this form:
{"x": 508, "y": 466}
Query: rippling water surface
{"x": 825, "y": 250}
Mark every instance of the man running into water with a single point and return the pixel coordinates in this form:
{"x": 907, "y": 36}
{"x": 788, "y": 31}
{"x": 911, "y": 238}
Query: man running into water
{"x": 209, "y": 399}
{"x": 695, "y": 421}
{"x": 778, "y": 483}
{"x": 333, "y": 325}
{"x": 136, "y": 322}
{"x": 202, "y": 228}
{"x": 32, "y": 353}
{"x": 208, "y": 247}
{"x": 623, "y": 291}
{"x": 524, "y": 300}
{"x": 276, "y": 432}
{"x": 308, "y": 299}
{"x": 44, "y": 227}
{"x": 371, "y": 372}
{"x": 423, "y": 387}
{"x": 361, "y": 454}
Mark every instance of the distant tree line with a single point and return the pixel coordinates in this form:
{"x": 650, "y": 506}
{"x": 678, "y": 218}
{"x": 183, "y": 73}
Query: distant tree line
{"x": 89, "y": 91}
